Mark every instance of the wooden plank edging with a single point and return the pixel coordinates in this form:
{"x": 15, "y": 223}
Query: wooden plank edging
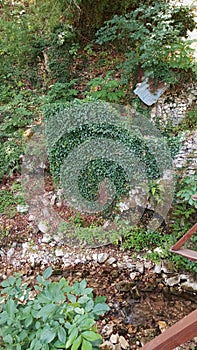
{"x": 179, "y": 333}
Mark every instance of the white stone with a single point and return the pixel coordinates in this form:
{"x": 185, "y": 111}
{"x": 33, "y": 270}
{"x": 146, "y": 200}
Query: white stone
{"x": 59, "y": 204}
{"x": 58, "y": 237}
{"x": 172, "y": 281}
{"x": 111, "y": 260}
{"x": 31, "y": 217}
{"x": 2, "y": 253}
{"x": 123, "y": 206}
{"x": 114, "y": 338}
{"x": 123, "y": 342}
{"x": 190, "y": 286}
{"x": 22, "y": 208}
{"x": 148, "y": 265}
{"x": 139, "y": 267}
{"x": 107, "y": 345}
{"x": 46, "y": 238}
{"x": 77, "y": 261}
{"x": 43, "y": 227}
{"x": 53, "y": 199}
{"x": 10, "y": 252}
{"x": 95, "y": 257}
{"x": 25, "y": 247}
{"x": 133, "y": 275}
{"x": 157, "y": 268}
{"x": 107, "y": 329}
{"x": 59, "y": 252}
{"x": 130, "y": 266}
{"x": 102, "y": 257}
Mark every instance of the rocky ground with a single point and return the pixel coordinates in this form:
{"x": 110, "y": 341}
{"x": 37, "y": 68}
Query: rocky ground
{"x": 145, "y": 299}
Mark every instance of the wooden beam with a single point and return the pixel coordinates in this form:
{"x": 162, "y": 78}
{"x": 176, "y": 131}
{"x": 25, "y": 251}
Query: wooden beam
{"x": 186, "y": 236}
{"x": 179, "y": 333}
{"x": 187, "y": 253}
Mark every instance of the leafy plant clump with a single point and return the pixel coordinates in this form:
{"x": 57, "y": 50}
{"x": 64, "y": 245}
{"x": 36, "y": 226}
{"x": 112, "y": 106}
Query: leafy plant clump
{"x": 107, "y": 89}
{"x": 70, "y": 125}
{"x": 153, "y": 40}
{"x": 49, "y": 315}
{"x": 15, "y": 115}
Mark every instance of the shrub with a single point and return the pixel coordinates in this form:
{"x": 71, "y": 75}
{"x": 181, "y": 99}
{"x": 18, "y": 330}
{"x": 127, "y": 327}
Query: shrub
{"x": 151, "y": 37}
{"x": 36, "y": 38}
{"x": 49, "y": 315}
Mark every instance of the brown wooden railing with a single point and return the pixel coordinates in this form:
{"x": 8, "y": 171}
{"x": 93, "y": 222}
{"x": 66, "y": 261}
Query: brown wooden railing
{"x": 186, "y": 328}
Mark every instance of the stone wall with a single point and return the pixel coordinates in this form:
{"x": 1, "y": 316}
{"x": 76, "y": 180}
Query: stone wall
{"x": 172, "y": 108}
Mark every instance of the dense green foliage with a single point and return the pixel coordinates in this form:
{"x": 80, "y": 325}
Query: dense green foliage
{"x": 72, "y": 128}
{"x": 151, "y": 37}
{"x": 50, "y": 315}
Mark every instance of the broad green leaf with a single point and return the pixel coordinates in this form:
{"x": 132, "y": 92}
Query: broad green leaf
{"x": 37, "y": 325}
{"x": 11, "y": 280}
{"x": 89, "y": 306}
{"x": 87, "y": 291}
{"x": 87, "y": 324}
{"x": 47, "y": 273}
{"x": 10, "y": 307}
{"x": 28, "y": 321}
{"x": 62, "y": 335}
{"x": 47, "y": 335}
{"x": 83, "y": 284}
{"x": 72, "y": 298}
{"x": 37, "y": 345}
{"x": 43, "y": 299}
{"x": 59, "y": 345}
{"x": 8, "y": 339}
{"x": 86, "y": 345}
{"x": 45, "y": 347}
{"x": 47, "y": 310}
{"x": 3, "y": 317}
{"x": 91, "y": 336}
{"x": 100, "y": 299}
{"x": 100, "y": 309}
{"x": 73, "y": 335}
{"x": 5, "y": 283}
{"x": 39, "y": 279}
{"x": 23, "y": 334}
{"x": 77, "y": 343}
{"x": 84, "y": 299}
{"x": 79, "y": 310}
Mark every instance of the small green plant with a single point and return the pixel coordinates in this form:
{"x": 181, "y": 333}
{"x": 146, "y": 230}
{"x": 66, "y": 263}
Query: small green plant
{"x": 49, "y": 315}
{"x": 183, "y": 214}
{"x": 189, "y": 188}
{"x": 107, "y": 89}
{"x": 77, "y": 220}
{"x": 10, "y": 199}
{"x": 156, "y": 191}
{"x": 189, "y": 122}
{"x": 138, "y": 239}
{"x": 62, "y": 92}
